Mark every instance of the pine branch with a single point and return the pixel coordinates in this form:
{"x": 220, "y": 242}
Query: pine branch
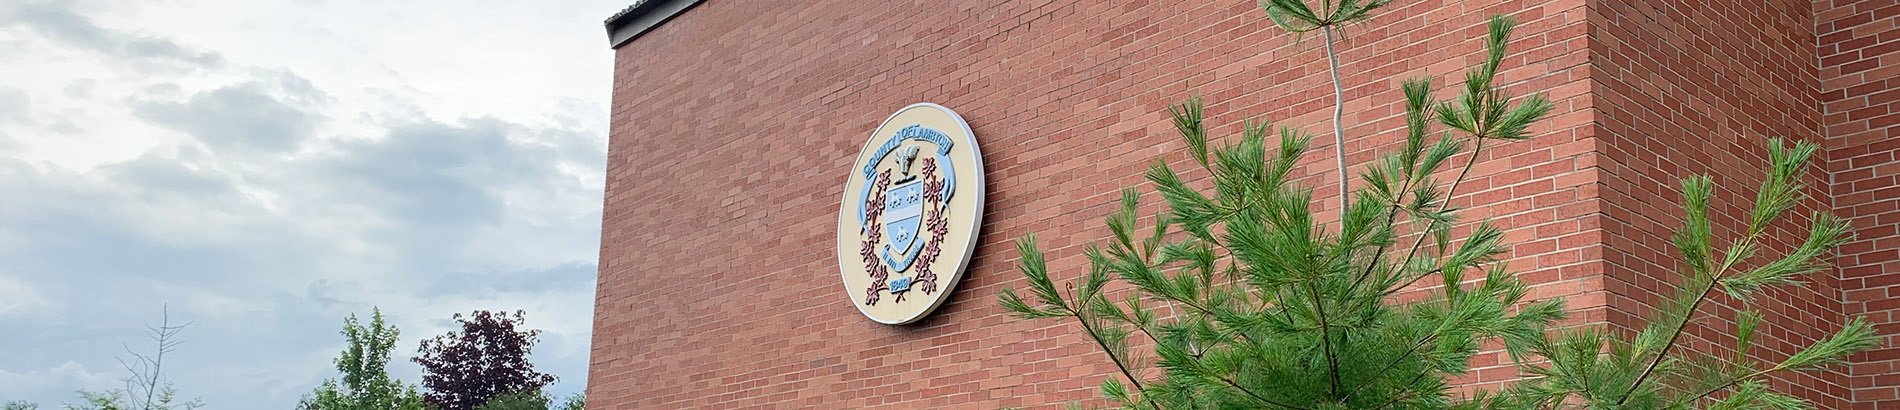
{"x": 1730, "y": 383}
{"x": 1653, "y": 363}
{"x": 1326, "y": 339}
{"x": 1257, "y": 396}
{"x": 1394, "y": 363}
{"x": 1433, "y": 224}
{"x": 1681, "y": 323}
{"x": 1104, "y": 345}
{"x": 1777, "y": 194}
{"x": 1417, "y": 103}
{"x": 1395, "y": 398}
{"x": 1855, "y": 337}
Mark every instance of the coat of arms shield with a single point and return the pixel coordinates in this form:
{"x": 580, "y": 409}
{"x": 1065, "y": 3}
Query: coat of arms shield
{"x": 904, "y": 208}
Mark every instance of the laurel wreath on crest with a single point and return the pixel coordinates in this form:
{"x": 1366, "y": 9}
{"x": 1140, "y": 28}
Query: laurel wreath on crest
{"x": 934, "y": 221}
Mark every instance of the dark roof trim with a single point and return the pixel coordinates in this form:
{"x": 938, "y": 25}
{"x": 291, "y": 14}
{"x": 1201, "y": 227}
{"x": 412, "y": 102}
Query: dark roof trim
{"x": 641, "y": 17}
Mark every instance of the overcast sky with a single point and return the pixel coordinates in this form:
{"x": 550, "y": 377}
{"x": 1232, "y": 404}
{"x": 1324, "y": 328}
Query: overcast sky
{"x": 268, "y": 167}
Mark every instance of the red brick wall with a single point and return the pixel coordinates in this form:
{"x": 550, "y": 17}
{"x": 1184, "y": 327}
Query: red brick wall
{"x": 1860, "y": 92}
{"x": 734, "y": 123}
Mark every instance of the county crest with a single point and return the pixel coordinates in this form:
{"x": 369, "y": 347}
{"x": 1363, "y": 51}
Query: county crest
{"x": 908, "y": 223}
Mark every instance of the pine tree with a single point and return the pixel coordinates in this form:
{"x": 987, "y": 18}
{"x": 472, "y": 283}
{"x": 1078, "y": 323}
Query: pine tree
{"x": 1247, "y": 301}
{"x": 1257, "y": 303}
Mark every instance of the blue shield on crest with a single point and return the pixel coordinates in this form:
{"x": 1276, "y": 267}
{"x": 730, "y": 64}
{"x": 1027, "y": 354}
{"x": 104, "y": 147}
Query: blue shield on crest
{"x": 904, "y": 210}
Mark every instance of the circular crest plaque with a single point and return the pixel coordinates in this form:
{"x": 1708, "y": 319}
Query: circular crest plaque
{"x": 912, "y": 207}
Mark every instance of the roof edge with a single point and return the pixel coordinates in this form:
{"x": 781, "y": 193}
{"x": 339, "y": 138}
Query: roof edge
{"x": 641, "y": 17}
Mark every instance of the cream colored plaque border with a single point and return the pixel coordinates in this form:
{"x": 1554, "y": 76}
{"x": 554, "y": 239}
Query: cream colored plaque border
{"x": 970, "y": 187}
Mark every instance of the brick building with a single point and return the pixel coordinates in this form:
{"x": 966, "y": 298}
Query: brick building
{"x": 734, "y": 123}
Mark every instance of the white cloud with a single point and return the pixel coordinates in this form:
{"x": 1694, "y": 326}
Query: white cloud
{"x": 17, "y": 297}
{"x": 265, "y": 168}
{"x": 68, "y": 375}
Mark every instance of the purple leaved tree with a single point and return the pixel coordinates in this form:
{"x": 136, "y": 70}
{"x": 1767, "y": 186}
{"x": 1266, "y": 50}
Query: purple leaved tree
{"x": 487, "y": 358}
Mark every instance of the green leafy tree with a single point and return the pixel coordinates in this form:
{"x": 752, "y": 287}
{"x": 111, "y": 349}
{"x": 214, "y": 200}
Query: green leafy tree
{"x": 1257, "y": 303}
{"x": 1653, "y": 371}
{"x": 366, "y": 384}
{"x": 99, "y": 401}
{"x": 165, "y": 399}
{"x": 19, "y": 405}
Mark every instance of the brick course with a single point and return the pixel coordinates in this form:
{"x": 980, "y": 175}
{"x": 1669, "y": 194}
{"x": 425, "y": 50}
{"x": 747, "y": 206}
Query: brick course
{"x": 733, "y": 126}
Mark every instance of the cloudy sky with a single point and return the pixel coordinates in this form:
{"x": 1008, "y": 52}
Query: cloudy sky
{"x": 267, "y": 167}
